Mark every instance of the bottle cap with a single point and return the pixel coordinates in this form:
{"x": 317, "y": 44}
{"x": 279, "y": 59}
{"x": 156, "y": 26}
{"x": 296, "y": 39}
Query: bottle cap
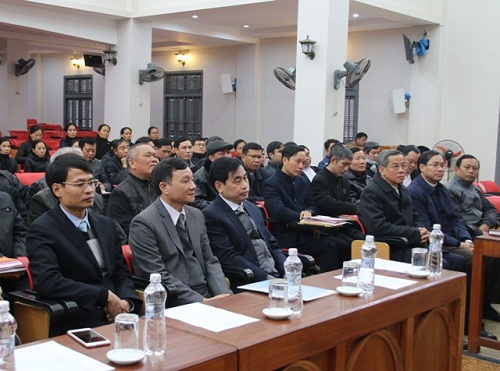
{"x": 4, "y": 306}
{"x": 369, "y": 238}
{"x": 292, "y": 251}
{"x": 436, "y": 226}
{"x": 155, "y": 277}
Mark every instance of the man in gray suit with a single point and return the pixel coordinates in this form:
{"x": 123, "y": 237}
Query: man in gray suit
{"x": 170, "y": 238}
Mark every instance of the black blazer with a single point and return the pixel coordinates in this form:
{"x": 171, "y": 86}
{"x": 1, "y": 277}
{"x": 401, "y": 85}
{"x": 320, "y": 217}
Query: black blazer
{"x": 230, "y": 241}
{"x": 64, "y": 267}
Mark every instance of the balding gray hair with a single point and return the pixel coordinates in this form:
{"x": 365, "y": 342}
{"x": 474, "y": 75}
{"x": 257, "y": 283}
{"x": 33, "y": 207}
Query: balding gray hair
{"x": 63, "y": 150}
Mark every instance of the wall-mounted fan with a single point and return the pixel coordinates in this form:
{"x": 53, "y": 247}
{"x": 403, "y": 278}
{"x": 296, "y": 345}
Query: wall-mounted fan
{"x": 354, "y": 72}
{"x": 451, "y": 151}
{"x": 100, "y": 69}
{"x": 286, "y": 77}
{"x": 151, "y": 73}
{"x": 23, "y": 66}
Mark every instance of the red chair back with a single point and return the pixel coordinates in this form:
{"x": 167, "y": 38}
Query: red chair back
{"x": 127, "y": 254}
{"x": 29, "y": 178}
{"x": 479, "y": 186}
{"x": 495, "y": 200}
{"x": 490, "y": 186}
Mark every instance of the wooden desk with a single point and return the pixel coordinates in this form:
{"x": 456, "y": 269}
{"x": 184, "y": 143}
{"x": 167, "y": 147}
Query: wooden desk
{"x": 416, "y": 328}
{"x": 483, "y": 246}
{"x": 184, "y": 351}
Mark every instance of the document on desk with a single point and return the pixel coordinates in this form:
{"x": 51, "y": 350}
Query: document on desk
{"x": 208, "y": 317}
{"x": 53, "y": 356}
{"x": 392, "y": 283}
{"x": 308, "y": 292}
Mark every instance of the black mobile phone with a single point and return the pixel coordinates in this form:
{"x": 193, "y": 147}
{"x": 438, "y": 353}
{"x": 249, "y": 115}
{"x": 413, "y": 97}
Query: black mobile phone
{"x": 88, "y": 337}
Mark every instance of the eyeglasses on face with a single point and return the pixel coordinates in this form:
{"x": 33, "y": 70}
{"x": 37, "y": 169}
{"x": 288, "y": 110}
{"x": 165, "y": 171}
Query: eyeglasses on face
{"x": 82, "y": 185}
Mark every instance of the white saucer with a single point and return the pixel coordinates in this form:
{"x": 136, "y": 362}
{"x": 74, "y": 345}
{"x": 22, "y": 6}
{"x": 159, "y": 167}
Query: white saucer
{"x": 349, "y": 290}
{"x": 277, "y": 313}
{"x": 125, "y": 356}
{"x": 419, "y": 274}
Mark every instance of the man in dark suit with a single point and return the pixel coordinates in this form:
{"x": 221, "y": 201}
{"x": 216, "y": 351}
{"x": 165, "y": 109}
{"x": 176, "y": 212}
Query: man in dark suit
{"x": 75, "y": 254}
{"x": 288, "y": 199}
{"x": 235, "y": 227}
{"x": 252, "y": 159}
{"x": 170, "y": 238}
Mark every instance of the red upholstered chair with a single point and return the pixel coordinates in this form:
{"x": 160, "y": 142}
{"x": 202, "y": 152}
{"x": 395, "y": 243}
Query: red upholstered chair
{"x": 480, "y": 187}
{"x": 127, "y": 254}
{"x": 29, "y": 178}
{"x": 490, "y": 186}
{"x": 495, "y": 200}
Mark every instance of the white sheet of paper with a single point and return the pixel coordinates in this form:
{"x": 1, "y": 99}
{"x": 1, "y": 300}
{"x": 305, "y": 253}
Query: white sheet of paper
{"x": 53, "y": 356}
{"x": 208, "y": 317}
{"x": 388, "y": 282}
{"x": 308, "y": 292}
{"x": 389, "y": 265}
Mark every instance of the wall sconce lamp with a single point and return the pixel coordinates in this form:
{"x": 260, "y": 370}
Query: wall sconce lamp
{"x": 76, "y": 62}
{"x": 307, "y": 47}
{"x": 181, "y": 57}
{"x": 110, "y": 55}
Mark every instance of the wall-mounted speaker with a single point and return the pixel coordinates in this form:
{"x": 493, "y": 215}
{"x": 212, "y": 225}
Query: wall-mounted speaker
{"x": 397, "y": 100}
{"x": 226, "y": 83}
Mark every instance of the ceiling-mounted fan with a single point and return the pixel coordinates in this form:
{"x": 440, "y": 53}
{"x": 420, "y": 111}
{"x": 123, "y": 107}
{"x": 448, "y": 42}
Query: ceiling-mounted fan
{"x": 354, "y": 72}
{"x": 151, "y": 73}
{"x": 23, "y": 66}
{"x": 286, "y": 77}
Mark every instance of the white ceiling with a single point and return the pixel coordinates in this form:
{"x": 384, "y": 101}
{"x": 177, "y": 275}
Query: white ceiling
{"x": 222, "y": 26}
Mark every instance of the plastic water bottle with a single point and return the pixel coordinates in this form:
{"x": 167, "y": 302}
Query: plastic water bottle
{"x": 155, "y": 330}
{"x": 8, "y": 327}
{"x": 435, "y": 257}
{"x": 293, "y": 275}
{"x": 366, "y": 278}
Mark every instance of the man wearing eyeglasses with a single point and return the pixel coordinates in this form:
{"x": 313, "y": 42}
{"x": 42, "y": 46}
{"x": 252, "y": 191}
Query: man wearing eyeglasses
{"x": 76, "y": 254}
{"x": 434, "y": 204}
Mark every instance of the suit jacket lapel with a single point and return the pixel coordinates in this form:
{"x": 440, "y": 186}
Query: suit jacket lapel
{"x": 169, "y": 225}
{"x": 73, "y": 234}
{"x": 100, "y": 232}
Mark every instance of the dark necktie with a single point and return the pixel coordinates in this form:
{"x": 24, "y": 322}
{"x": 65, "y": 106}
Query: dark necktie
{"x": 247, "y": 222}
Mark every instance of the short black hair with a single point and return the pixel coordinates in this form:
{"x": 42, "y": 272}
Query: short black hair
{"x": 465, "y": 157}
{"x": 426, "y": 156}
{"x": 5, "y": 139}
{"x": 122, "y": 130}
{"x": 35, "y": 142}
{"x": 86, "y": 140}
{"x": 291, "y": 150}
{"x": 57, "y": 170}
{"x": 328, "y": 143}
{"x": 150, "y": 129}
{"x": 178, "y": 141}
{"x": 271, "y": 147}
{"x": 371, "y": 145}
{"x": 160, "y": 142}
{"x": 143, "y": 140}
{"x": 222, "y": 167}
{"x": 35, "y": 128}
{"x": 252, "y": 146}
{"x": 116, "y": 142}
{"x": 103, "y": 125}
{"x": 361, "y": 135}
{"x": 164, "y": 170}
{"x": 410, "y": 148}
{"x": 238, "y": 141}
{"x": 67, "y": 126}
{"x": 356, "y": 149}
